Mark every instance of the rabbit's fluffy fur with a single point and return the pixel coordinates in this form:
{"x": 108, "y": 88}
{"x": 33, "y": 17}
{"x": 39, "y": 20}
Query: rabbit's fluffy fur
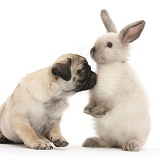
{"x": 118, "y": 102}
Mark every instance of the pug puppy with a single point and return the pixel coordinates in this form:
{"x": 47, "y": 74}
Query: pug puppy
{"x": 32, "y": 114}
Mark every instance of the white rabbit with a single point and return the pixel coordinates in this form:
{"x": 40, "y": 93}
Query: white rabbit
{"x": 118, "y": 101}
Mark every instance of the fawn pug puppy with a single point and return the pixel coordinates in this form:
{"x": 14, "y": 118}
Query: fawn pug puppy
{"x": 32, "y": 114}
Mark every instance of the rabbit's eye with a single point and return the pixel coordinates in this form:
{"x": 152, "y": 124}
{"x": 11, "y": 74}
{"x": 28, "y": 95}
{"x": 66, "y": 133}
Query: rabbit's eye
{"x": 109, "y": 45}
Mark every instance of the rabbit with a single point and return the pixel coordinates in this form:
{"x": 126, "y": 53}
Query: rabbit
{"x": 118, "y": 102}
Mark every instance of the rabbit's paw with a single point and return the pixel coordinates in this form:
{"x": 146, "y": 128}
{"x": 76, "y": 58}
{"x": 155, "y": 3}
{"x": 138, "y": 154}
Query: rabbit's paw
{"x": 94, "y": 142}
{"x": 98, "y": 112}
{"x": 132, "y": 145}
{"x": 88, "y": 109}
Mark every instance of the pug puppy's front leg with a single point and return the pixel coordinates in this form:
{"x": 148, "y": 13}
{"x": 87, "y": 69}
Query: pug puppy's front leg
{"x": 22, "y": 127}
{"x": 56, "y": 137}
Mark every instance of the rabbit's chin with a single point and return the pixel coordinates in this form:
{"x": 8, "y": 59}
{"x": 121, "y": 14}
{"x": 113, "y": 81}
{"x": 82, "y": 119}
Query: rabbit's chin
{"x": 98, "y": 59}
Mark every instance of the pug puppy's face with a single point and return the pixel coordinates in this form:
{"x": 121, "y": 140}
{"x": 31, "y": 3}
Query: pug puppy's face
{"x": 73, "y": 73}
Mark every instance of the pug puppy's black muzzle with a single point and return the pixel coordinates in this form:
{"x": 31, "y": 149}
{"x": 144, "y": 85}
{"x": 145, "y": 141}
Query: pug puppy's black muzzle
{"x": 88, "y": 83}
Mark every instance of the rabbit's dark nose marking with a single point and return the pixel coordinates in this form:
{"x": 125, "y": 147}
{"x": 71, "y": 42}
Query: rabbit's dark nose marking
{"x": 93, "y": 50}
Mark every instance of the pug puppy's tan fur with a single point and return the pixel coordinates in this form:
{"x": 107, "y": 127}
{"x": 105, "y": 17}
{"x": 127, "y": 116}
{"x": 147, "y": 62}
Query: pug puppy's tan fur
{"x": 32, "y": 114}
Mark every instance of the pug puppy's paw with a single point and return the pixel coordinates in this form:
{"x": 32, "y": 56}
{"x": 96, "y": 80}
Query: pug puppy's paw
{"x": 58, "y": 140}
{"x": 39, "y": 144}
{"x": 60, "y": 143}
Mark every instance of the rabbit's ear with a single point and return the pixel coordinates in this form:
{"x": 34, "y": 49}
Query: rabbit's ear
{"x": 131, "y": 32}
{"x": 107, "y": 21}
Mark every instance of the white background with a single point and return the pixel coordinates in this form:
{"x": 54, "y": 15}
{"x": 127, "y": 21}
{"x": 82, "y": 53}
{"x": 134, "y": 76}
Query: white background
{"x": 33, "y": 33}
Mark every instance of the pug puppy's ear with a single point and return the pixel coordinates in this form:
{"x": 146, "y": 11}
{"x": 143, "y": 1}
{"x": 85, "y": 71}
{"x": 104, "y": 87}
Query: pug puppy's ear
{"x": 62, "y": 70}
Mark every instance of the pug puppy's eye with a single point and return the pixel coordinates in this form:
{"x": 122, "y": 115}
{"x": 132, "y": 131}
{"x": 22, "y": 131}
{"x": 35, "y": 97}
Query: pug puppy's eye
{"x": 83, "y": 70}
{"x": 69, "y": 60}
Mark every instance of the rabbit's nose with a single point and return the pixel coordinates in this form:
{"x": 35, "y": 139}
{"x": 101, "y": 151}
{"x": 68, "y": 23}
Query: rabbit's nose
{"x": 92, "y": 51}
